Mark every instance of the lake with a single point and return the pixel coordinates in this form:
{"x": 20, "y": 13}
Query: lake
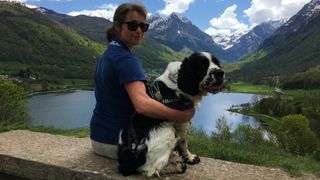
{"x": 74, "y": 110}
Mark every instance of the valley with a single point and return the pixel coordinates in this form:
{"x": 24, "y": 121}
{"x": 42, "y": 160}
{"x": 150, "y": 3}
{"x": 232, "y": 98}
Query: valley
{"x": 43, "y": 51}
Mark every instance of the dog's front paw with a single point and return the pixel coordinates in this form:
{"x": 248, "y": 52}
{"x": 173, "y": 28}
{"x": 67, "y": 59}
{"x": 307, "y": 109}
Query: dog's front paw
{"x": 172, "y": 168}
{"x": 183, "y": 167}
{"x": 191, "y": 159}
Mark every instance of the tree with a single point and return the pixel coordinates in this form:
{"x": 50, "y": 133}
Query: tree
{"x": 295, "y": 135}
{"x": 223, "y": 134}
{"x": 245, "y": 134}
{"x": 13, "y": 107}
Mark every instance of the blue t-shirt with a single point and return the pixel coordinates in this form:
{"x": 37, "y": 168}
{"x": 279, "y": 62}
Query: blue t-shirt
{"x": 114, "y": 108}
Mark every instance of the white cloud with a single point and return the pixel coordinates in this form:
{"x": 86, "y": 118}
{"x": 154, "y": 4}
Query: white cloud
{"x": 105, "y": 11}
{"x": 258, "y": 12}
{"x": 263, "y": 10}
{"x": 227, "y": 23}
{"x": 15, "y": 0}
{"x": 24, "y": 1}
{"x": 178, "y": 6}
{"x": 214, "y": 31}
{"x": 53, "y": 0}
{"x": 31, "y": 6}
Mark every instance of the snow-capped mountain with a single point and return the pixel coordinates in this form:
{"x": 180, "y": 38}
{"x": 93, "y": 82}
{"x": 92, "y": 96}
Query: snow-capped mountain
{"x": 226, "y": 41}
{"x": 252, "y": 40}
{"x": 154, "y": 19}
{"x": 306, "y": 18}
{"x": 290, "y": 53}
{"x": 89, "y": 26}
{"x": 238, "y": 45}
{"x": 307, "y": 13}
{"x": 158, "y": 22}
{"x": 178, "y": 32}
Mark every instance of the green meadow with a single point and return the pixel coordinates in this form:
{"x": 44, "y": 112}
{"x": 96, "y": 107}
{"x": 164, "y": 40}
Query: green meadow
{"x": 250, "y": 88}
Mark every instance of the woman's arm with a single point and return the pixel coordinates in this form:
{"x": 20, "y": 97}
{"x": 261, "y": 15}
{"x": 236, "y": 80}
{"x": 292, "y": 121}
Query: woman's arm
{"x": 147, "y": 106}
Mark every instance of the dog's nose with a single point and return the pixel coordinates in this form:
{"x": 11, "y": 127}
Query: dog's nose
{"x": 218, "y": 73}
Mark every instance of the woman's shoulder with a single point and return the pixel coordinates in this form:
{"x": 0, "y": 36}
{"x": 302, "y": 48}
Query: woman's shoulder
{"x": 119, "y": 54}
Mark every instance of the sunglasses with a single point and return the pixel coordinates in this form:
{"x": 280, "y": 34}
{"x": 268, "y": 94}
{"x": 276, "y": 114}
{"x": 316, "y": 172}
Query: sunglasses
{"x": 133, "y": 26}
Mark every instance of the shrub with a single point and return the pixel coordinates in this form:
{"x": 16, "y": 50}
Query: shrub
{"x": 294, "y": 135}
{"x": 12, "y": 102}
{"x": 245, "y": 134}
{"x": 223, "y": 134}
{"x": 316, "y": 155}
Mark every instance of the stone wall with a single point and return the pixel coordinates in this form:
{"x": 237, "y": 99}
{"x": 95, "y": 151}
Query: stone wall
{"x": 31, "y": 155}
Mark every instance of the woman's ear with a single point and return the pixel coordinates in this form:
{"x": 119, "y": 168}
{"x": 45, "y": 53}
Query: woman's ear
{"x": 117, "y": 26}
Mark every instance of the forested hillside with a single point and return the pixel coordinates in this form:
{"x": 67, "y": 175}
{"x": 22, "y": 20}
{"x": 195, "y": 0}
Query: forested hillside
{"x": 48, "y": 47}
{"x": 290, "y": 59}
{"x": 290, "y": 55}
{"x": 154, "y": 56}
{"x": 47, "y": 50}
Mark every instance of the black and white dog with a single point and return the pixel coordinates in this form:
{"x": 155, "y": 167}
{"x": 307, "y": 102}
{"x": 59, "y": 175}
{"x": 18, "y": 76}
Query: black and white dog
{"x": 146, "y": 144}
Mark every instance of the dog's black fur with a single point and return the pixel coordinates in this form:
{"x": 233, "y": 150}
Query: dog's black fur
{"x": 132, "y": 150}
{"x": 130, "y": 158}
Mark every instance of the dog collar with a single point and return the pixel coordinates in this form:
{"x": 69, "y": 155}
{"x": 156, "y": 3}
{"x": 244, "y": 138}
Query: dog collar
{"x": 162, "y": 93}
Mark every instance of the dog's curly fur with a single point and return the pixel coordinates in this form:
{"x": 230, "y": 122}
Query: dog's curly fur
{"x": 146, "y": 144}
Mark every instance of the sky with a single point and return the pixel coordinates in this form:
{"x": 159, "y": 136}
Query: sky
{"x": 211, "y": 16}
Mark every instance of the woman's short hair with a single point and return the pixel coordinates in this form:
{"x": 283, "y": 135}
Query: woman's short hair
{"x": 120, "y": 16}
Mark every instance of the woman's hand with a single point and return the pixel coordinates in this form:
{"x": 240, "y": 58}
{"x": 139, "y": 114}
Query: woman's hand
{"x": 147, "y": 106}
{"x": 188, "y": 114}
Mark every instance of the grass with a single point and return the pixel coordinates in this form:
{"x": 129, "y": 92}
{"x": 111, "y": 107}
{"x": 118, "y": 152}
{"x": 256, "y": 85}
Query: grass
{"x": 250, "y": 88}
{"x": 302, "y": 92}
{"x": 265, "y": 119}
{"x": 262, "y": 155}
{"x": 243, "y": 87}
{"x": 237, "y": 65}
{"x": 80, "y": 132}
{"x": 69, "y": 85}
{"x": 79, "y": 83}
{"x": 8, "y": 67}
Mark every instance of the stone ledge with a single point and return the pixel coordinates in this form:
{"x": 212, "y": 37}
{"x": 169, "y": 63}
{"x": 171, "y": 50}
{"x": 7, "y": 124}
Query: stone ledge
{"x": 43, "y": 156}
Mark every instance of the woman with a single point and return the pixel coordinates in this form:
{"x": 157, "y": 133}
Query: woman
{"x": 120, "y": 88}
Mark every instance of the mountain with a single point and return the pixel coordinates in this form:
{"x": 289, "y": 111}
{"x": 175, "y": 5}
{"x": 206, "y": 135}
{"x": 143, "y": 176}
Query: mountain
{"x": 50, "y": 50}
{"x": 58, "y": 46}
{"x": 240, "y": 45}
{"x": 289, "y": 52}
{"x": 92, "y": 27}
{"x": 178, "y": 32}
{"x": 306, "y": 18}
{"x": 226, "y": 41}
{"x": 48, "y": 41}
{"x": 154, "y": 56}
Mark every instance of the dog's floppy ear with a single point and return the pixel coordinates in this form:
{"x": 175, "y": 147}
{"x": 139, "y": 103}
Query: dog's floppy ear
{"x": 215, "y": 61}
{"x": 191, "y": 73}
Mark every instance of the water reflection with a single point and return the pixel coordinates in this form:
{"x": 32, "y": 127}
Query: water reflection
{"x": 74, "y": 110}
{"x": 214, "y": 107}
{"x": 65, "y": 111}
